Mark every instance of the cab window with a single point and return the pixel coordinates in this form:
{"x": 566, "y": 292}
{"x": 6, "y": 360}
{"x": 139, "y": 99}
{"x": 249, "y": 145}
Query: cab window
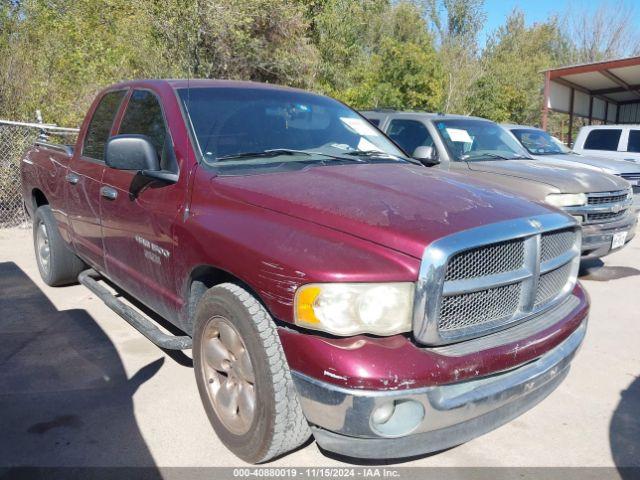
{"x": 603, "y": 139}
{"x": 100, "y": 125}
{"x": 409, "y": 134}
{"x": 144, "y": 117}
{"x": 634, "y": 141}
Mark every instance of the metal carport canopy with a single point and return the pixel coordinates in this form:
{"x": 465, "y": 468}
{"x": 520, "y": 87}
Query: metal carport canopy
{"x": 608, "y": 91}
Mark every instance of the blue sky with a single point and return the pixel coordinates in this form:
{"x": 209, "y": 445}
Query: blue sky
{"x": 535, "y": 11}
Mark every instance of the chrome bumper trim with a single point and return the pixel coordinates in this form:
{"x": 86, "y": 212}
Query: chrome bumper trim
{"x": 596, "y": 238}
{"x": 454, "y": 413}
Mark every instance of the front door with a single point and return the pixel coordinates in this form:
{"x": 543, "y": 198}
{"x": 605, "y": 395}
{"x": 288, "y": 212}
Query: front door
{"x": 138, "y": 213}
{"x": 84, "y": 177}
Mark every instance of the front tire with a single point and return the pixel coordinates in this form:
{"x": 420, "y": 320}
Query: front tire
{"x": 57, "y": 264}
{"x": 243, "y": 377}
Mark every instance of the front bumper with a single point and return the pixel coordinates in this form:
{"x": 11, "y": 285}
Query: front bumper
{"x": 441, "y": 416}
{"x": 596, "y": 238}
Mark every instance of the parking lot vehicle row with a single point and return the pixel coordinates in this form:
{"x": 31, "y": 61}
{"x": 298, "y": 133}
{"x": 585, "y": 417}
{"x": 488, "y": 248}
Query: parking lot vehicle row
{"x": 477, "y": 148}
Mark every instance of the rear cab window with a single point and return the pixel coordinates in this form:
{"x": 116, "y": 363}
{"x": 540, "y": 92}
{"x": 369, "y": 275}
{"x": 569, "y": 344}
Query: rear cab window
{"x": 603, "y": 139}
{"x": 633, "y": 145}
{"x": 144, "y": 116}
{"x": 99, "y": 128}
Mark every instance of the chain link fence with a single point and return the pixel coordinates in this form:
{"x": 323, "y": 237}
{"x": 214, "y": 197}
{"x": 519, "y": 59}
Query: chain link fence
{"x": 15, "y": 139}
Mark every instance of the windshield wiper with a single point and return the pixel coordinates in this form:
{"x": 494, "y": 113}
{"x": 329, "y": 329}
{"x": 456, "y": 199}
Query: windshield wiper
{"x": 276, "y": 152}
{"x": 493, "y": 155}
{"x": 354, "y": 156}
{"x": 377, "y": 153}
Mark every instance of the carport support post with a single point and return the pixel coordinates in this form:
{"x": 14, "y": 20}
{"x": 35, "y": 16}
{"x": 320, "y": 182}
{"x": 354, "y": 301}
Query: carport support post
{"x": 570, "y": 134}
{"x": 590, "y": 108}
{"x": 545, "y": 100}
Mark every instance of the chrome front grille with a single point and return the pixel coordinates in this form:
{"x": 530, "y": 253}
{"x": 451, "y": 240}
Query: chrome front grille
{"x": 484, "y": 279}
{"x": 605, "y": 216}
{"x": 489, "y": 260}
{"x": 603, "y": 207}
{"x": 554, "y": 244}
{"x": 552, "y": 283}
{"x": 475, "y": 308}
{"x": 613, "y": 198}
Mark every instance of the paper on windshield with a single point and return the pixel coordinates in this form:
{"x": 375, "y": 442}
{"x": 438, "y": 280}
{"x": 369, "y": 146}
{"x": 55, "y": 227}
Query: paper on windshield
{"x": 360, "y": 126}
{"x": 366, "y": 145}
{"x": 458, "y": 135}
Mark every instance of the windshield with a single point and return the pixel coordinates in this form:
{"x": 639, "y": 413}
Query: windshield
{"x": 265, "y": 127}
{"x": 537, "y": 142}
{"x": 470, "y": 139}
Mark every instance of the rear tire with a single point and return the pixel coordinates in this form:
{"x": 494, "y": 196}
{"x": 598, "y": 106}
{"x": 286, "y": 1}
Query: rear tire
{"x": 243, "y": 376}
{"x": 57, "y": 264}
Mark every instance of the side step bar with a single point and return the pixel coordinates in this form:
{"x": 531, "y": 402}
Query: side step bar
{"x": 143, "y": 324}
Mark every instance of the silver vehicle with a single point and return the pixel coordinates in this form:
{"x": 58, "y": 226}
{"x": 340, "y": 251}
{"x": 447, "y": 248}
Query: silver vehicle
{"x": 602, "y": 203}
{"x": 543, "y": 146}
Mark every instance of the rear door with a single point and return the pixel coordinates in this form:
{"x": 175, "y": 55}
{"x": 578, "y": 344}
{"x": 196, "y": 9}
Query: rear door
{"x": 84, "y": 178}
{"x": 138, "y": 213}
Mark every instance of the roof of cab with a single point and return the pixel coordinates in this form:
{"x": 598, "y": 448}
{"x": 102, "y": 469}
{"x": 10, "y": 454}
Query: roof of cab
{"x": 177, "y": 83}
{"x": 511, "y": 126}
{"x": 429, "y": 115}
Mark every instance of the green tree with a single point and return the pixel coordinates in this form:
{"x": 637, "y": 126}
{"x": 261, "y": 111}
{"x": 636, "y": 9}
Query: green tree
{"x": 457, "y": 24}
{"x": 64, "y": 51}
{"x": 345, "y": 34}
{"x": 374, "y": 54}
{"x": 262, "y": 40}
{"x": 511, "y": 84}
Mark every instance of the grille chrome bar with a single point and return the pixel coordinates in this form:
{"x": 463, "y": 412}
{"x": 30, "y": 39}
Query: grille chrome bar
{"x": 556, "y": 262}
{"x": 456, "y": 287}
{"x": 450, "y": 308}
{"x": 603, "y": 207}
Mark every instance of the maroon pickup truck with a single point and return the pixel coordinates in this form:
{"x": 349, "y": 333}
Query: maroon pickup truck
{"x": 327, "y": 284}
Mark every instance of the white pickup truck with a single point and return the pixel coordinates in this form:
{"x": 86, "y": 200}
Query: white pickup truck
{"x": 621, "y": 142}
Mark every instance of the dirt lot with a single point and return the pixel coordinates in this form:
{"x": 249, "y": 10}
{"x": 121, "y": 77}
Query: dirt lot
{"x": 79, "y": 387}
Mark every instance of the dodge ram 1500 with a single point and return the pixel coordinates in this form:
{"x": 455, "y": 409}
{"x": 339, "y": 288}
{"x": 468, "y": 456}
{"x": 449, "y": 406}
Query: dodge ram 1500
{"x": 327, "y": 284}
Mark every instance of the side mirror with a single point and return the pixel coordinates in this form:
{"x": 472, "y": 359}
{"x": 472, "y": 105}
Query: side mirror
{"x": 426, "y": 155}
{"x": 131, "y": 152}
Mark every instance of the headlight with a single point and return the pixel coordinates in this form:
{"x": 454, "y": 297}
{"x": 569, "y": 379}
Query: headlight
{"x": 566, "y": 199}
{"x": 351, "y": 308}
{"x": 630, "y": 194}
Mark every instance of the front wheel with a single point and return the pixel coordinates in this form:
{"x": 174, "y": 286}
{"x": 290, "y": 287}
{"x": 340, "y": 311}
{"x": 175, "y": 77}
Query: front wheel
{"x": 57, "y": 264}
{"x": 243, "y": 377}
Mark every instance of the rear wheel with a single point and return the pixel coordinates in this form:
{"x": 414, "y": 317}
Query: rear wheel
{"x": 57, "y": 264}
{"x": 243, "y": 377}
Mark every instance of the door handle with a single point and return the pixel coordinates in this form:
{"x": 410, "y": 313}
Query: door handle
{"x": 72, "y": 178}
{"x": 109, "y": 193}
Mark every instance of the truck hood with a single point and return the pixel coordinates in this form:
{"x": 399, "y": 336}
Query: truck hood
{"x": 567, "y": 178}
{"x": 608, "y": 165}
{"x": 401, "y": 206}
